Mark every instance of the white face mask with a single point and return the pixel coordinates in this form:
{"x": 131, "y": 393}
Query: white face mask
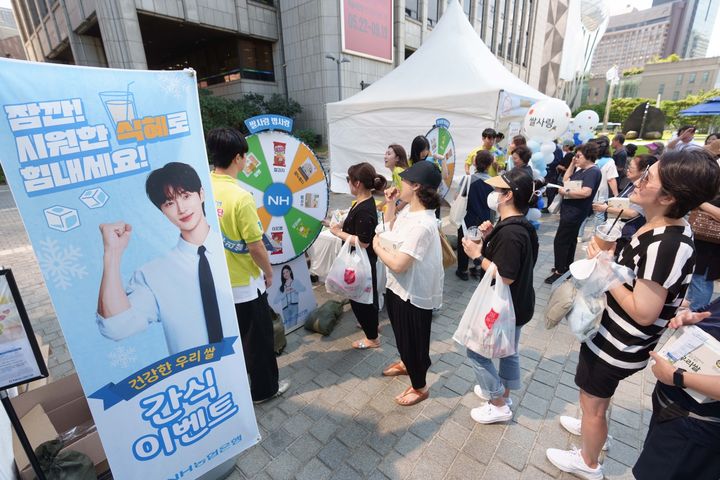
{"x": 492, "y": 200}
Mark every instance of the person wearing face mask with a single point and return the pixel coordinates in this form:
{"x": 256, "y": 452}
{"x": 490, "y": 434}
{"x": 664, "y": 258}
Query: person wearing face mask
{"x": 575, "y": 207}
{"x": 662, "y": 256}
{"x": 512, "y": 246}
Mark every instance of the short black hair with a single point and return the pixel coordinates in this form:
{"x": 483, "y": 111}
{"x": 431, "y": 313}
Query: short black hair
{"x": 166, "y": 182}
{"x": 620, "y": 138}
{"x": 524, "y": 153}
{"x": 691, "y": 176}
{"x": 489, "y": 133}
{"x": 603, "y": 144}
{"x": 224, "y": 144}
{"x": 589, "y": 150}
{"x": 419, "y": 144}
{"x": 685, "y": 127}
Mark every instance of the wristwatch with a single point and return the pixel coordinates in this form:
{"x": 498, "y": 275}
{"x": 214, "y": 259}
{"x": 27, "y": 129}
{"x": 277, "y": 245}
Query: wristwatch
{"x": 478, "y": 261}
{"x": 678, "y": 377}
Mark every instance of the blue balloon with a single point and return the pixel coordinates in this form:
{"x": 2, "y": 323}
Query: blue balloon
{"x": 535, "y": 224}
{"x": 576, "y": 139}
{"x": 533, "y": 145}
{"x": 537, "y": 158}
{"x": 541, "y": 203}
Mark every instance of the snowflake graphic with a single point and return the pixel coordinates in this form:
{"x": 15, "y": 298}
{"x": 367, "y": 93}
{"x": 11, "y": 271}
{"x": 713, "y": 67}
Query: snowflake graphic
{"x": 122, "y": 357}
{"x": 60, "y": 264}
{"x": 175, "y": 85}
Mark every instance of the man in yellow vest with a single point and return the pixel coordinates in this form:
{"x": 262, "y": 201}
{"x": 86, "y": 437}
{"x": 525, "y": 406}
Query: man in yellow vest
{"x": 488, "y": 138}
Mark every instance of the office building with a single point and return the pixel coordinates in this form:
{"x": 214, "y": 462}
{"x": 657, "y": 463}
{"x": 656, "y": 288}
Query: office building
{"x": 11, "y": 45}
{"x": 632, "y": 39}
{"x": 695, "y": 27}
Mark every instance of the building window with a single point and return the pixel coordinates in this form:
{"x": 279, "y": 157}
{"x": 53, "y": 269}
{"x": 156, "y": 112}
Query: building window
{"x": 256, "y": 60}
{"x": 706, "y": 77}
{"x": 33, "y": 12}
{"x": 432, "y": 17}
{"x": 411, "y": 9}
{"x": 466, "y": 8}
{"x": 270, "y": 3}
{"x": 679, "y": 79}
{"x": 692, "y": 77}
{"x": 676, "y": 95}
{"x": 43, "y": 8}
{"x": 661, "y": 89}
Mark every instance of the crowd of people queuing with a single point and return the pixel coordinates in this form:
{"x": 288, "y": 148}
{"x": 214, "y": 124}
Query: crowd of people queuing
{"x": 672, "y": 271}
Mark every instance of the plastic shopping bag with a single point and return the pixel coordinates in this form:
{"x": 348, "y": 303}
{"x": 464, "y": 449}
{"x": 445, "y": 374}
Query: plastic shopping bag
{"x": 350, "y": 275}
{"x": 458, "y": 209}
{"x": 488, "y": 325}
{"x": 381, "y": 275}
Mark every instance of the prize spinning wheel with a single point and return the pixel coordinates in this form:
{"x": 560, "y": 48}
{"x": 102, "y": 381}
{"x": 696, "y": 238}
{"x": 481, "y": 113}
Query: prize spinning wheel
{"x": 442, "y": 143}
{"x": 290, "y": 190}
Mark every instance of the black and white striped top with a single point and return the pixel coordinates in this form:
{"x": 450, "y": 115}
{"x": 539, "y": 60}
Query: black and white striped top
{"x": 666, "y": 256}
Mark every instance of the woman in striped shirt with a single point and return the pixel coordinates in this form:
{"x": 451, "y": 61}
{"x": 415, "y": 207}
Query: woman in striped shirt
{"x": 662, "y": 255}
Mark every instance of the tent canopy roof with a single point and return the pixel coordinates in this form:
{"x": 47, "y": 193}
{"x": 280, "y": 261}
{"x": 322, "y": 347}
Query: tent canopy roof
{"x": 709, "y": 107}
{"x": 453, "y": 67}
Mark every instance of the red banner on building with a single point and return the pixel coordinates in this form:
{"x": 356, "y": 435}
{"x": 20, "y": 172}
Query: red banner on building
{"x": 367, "y": 28}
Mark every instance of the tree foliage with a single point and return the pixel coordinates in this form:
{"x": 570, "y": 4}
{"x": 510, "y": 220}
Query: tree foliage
{"x": 672, "y": 58}
{"x": 223, "y": 112}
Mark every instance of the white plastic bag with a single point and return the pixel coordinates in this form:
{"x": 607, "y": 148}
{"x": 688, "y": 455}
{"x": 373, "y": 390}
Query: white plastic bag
{"x": 458, "y": 209}
{"x": 381, "y": 275}
{"x": 488, "y": 325}
{"x": 554, "y": 207}
{"x": 350, "y": 275}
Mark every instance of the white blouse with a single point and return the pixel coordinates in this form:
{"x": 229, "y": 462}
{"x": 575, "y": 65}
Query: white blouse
{"x": 422, "y": 282}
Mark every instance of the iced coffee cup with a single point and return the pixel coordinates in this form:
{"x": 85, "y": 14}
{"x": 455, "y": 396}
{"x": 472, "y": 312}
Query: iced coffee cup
{"x": 606, "y": 238}
{"x": 473, "y": 233}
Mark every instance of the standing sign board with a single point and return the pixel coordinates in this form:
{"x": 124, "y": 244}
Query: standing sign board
{"x": 20, "y": 358}
{"x": 109, "y": 171}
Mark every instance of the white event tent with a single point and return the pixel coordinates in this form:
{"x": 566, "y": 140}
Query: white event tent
{"x": 453, "y": 75}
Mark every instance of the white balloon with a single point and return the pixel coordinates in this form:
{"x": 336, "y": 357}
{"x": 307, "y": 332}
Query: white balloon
{"x": 548, "y": 158}
{"x": 586, "y": 120}
{"x": 547, "y": 120}
{"x": 533, "y": 215}
{"x": 533, "y": 145}
{"x": 547, "y": 147}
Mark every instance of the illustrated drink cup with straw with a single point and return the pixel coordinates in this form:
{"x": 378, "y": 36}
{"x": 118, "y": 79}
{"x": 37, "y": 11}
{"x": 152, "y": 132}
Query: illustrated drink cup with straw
{"x": 120, "y": 106}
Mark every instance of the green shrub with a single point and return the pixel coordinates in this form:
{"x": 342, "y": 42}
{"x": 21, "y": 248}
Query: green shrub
{"x": 309, "y": 137}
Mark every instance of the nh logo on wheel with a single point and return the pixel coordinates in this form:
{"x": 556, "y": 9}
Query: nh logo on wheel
{"x": 279, "y": 200}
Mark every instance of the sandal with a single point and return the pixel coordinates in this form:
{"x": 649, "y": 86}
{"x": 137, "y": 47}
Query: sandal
{"x": 419, "y": 397}
{"x": 363, "y": 344}
{"x": 395, "y": 369}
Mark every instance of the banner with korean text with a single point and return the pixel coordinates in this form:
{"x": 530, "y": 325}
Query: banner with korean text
{"x": 367, "y": 28}
{"x": 109, "y": 172}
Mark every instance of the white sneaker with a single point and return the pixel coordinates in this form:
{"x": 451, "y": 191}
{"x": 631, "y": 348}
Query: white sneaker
{"x": 489, "y": 413}
{"x": 283, "y": 386}
{"x": 483, "y": 396}
{"x": 572, "y": 425}
{"x": 572, "y": 462}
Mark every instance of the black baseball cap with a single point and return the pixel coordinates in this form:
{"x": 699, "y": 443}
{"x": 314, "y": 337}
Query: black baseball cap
{"x": 423, "y": 172}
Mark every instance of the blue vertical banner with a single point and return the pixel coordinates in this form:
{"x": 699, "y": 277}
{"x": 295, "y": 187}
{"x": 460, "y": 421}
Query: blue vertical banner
{"x": 109, "y": 171}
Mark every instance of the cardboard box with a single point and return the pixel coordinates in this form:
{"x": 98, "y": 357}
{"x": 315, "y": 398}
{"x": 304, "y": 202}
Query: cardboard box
{"x": 63, "y": 403}
{"x": 698, "y": 352}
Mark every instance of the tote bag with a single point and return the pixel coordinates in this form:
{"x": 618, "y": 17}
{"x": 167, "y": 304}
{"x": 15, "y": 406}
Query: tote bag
{"x": 458, "y": 209}
{"x": 488, "y": 325}
{"x": 350, "y": 275}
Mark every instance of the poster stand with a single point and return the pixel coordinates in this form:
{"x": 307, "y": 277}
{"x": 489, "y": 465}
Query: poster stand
{"x": 23, "y": 371}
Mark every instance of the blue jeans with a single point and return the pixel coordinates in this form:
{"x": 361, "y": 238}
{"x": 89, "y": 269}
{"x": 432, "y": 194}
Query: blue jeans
{"x": 700, "y": 291}
{"x": 491, "y": 382}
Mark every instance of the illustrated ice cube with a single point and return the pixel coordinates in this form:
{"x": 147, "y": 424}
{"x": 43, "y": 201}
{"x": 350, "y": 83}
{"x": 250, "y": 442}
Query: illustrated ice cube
{"x": 94, "y": 197}
{"x": 62, "y": 218}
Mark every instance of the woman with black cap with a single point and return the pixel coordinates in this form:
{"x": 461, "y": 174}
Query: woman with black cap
{"x": 412, "y": 253}
{"x": 512, "y": 247}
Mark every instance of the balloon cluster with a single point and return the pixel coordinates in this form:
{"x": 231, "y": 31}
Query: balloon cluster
{"x": 546, "y": 121}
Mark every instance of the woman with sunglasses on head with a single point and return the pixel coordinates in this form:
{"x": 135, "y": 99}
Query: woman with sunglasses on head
{"x": 512, "y": 247}
{"x": 360, "y": 222}
{"x": 662, "y": 256}
{"x": 414, "y": 274}
{"x": 634, "y": 216}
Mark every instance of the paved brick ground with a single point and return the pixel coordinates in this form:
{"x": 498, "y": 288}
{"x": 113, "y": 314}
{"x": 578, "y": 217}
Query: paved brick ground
{"x": 339, "y": 419}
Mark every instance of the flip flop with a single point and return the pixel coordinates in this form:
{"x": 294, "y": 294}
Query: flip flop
{"x": 394, "y": 370}
{"x": 404, "y": 392}
{"x": 419, "y": 397}
{"x": 361, "y": 345}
